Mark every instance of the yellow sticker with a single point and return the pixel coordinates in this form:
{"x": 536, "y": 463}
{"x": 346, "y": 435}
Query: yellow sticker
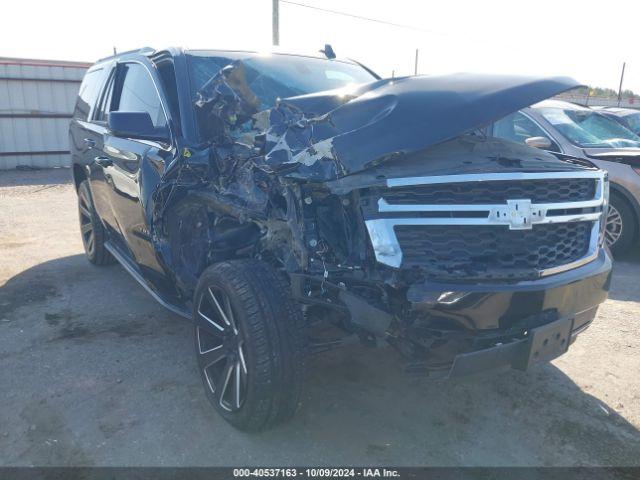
{"x": 186, "y": 153}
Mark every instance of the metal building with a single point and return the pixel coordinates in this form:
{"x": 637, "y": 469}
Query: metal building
{"x": 36, "y": 102}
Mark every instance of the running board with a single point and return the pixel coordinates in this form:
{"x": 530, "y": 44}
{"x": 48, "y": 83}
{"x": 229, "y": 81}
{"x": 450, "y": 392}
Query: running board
{"x": 136, "y": 275}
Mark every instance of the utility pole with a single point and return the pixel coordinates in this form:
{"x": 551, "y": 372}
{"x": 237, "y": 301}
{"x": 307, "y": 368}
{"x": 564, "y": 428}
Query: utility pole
{"x": 624, "y": 64}
{"x": 415, "y": 68}
{"x": 586, "y": 100}
{"x": 275, "y": 22}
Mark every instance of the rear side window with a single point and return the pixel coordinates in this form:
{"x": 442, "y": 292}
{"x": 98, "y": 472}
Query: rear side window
{"x": 101, "y": 112}
{"x": 89, "y": 90}
{"x": 138, "y": 94}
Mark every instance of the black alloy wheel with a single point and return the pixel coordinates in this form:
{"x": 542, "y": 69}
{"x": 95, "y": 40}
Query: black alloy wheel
{"x": 220, "y": 349}
{"x": 250, "y": 343}
{"x": 91, "y": 229}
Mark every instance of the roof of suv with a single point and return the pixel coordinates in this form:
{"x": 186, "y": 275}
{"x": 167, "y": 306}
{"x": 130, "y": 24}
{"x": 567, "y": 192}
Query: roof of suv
{"x": 148, "y": 52}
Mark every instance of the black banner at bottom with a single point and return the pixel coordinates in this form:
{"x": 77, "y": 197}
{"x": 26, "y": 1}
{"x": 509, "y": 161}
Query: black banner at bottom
{"x": 225, "y": 473}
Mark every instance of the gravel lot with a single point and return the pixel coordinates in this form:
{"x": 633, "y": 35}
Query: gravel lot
{"x": 95, "y": 372}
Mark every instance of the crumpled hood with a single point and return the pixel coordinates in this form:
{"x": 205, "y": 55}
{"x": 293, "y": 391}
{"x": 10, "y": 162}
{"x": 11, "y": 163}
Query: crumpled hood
{"x": 335, "y": 133}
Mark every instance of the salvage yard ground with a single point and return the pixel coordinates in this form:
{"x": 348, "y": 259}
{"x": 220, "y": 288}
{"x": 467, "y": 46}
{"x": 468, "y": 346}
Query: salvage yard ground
{"x": 95, "y": 372}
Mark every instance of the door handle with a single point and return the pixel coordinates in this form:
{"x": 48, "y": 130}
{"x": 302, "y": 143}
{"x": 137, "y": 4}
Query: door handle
{"x": 104, "y": 161}
{"x": 90, "y": 142}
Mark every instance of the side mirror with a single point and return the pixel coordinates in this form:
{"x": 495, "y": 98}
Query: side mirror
{"x": 136, "y": 125}
{"x": 542, "y": 143}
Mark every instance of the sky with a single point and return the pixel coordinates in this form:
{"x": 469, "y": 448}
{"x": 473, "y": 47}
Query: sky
{"x": 585, "y": 39}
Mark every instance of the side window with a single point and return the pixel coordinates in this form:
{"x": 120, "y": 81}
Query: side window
{"x": 517, "y": 127}
{"x": 138, "y": 94}
{"x": 89, "y": 90}
{"x": 101, "y": 113}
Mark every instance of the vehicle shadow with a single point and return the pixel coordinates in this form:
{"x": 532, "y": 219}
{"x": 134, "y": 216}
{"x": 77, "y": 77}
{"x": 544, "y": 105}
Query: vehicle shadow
{"x": 117, "y": 384}
{"x": 541, "y": 417}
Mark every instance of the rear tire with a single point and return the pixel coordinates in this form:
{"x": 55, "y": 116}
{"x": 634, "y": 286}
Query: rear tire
{"x": 250, "y": 343}
{"x": 91, "y": 229}
{"x": 622, "y": 225}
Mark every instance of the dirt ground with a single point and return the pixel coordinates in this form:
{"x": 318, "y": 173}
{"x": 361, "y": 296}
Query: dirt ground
{"x": 94, "y": 372}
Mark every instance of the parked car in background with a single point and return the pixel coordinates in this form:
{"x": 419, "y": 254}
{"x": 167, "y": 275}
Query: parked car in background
{"x": 627, "y": 117}
{"x": 568, "y": 129}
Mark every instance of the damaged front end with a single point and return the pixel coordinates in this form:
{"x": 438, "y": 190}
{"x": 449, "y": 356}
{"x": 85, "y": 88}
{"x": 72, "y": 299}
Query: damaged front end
{"x": 389, "y": 216}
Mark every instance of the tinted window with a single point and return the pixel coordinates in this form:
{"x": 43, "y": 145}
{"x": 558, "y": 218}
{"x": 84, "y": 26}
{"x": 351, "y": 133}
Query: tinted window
{"x": 89, "y": 90}
{"x": 138, "y": 94}
{"x": 101, "y": 112}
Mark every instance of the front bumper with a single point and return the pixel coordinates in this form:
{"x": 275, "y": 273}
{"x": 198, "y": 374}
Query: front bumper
{"x": 550, "y": 311}
{"x": 484, "y": 307}
{"x": 542, "y": 344}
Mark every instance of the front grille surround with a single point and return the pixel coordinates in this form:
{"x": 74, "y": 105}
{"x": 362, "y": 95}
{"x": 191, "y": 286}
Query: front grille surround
{"x": 511, "y": 218}
{"x": 552, "y": 190}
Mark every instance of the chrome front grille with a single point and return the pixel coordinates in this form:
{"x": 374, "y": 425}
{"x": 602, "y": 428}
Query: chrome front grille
{"x": 511, "y": 237}
{"x": 538, "y": 191}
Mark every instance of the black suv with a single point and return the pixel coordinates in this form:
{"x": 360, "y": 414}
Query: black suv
{"x": 267, "y": 196}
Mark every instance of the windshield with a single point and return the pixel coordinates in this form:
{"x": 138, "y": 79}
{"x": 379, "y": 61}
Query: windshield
{"x": 277, "y": 76}
{"x": 587, "y": 128}
{"x": 633, "y": 120}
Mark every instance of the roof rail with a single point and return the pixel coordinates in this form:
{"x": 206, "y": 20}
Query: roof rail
{"x": 142, "y": 51}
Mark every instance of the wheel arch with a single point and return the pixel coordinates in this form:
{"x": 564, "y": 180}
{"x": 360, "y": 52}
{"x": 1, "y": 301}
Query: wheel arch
{"x": 200, "y": 235}
{"x": 79, "y": 175}
{"x": 631, "y": 200}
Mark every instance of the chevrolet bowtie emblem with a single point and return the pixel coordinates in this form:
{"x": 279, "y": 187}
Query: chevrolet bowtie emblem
{"x": 518, "y": 214}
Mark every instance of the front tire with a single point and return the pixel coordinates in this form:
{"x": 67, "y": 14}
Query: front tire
{"x": 91, "y": 229}
{"x": 622, "y": 226}
{"x": 249, "y": 339}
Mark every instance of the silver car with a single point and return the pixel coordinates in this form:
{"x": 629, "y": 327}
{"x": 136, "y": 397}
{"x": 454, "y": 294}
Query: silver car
{"x": 627, "y": 117}
{"x": 568, "y": 129}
